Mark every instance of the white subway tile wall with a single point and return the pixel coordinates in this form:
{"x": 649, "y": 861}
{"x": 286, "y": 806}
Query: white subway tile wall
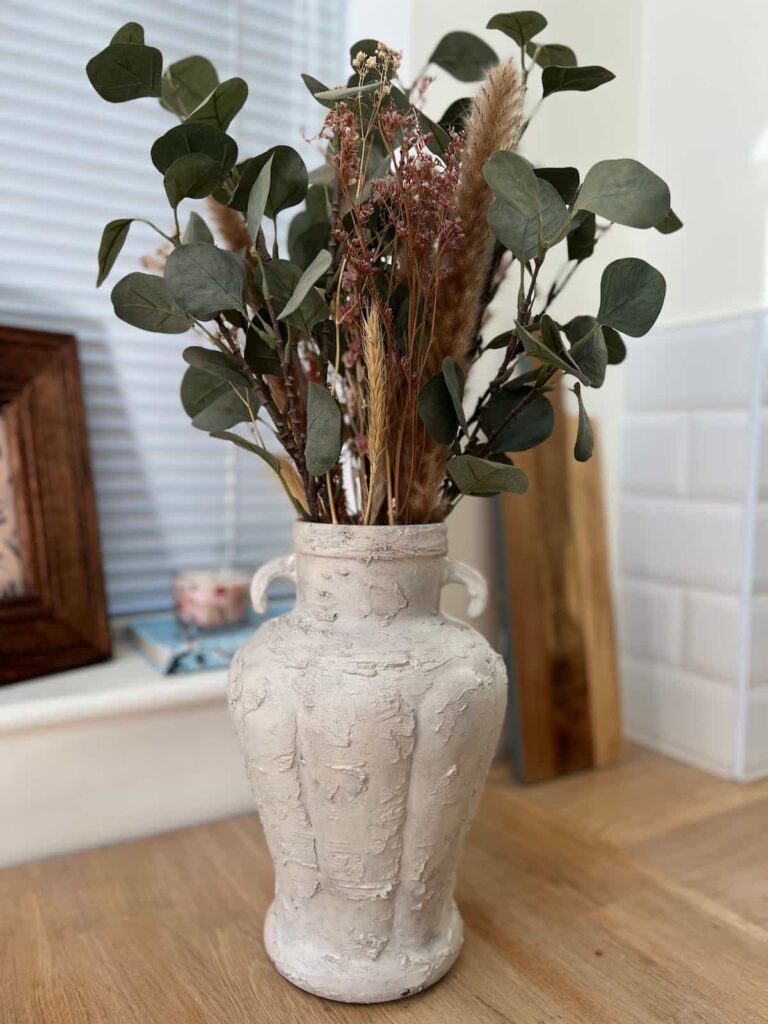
{"x": 712, "y": 634}
{"x": 651, "y": 618}
{"x": 653, "y": 454}
{"x": 759, "y": 655}
{"x": 693, "y": 550}
{"x": 682, "y": 714}
{"x": 719, "y": 455}
{"x": 756, "y": 743}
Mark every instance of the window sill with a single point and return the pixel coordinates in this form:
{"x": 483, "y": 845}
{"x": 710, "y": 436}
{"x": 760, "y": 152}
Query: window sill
{"x": 112, "y": 752}
{"x": 125, "y": 685}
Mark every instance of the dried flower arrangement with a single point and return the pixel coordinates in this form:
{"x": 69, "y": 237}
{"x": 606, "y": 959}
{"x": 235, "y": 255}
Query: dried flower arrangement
{"x": 354, "y": 351}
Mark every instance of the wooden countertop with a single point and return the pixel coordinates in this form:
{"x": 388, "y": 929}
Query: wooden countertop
{"x": 634, "y": 895}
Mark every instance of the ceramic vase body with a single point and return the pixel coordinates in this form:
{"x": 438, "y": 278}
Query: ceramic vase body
{"x": 368, "y": 721}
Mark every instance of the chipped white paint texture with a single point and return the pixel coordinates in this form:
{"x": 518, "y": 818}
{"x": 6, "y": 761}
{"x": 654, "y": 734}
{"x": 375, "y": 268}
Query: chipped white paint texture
{"x": 368, "y": 721}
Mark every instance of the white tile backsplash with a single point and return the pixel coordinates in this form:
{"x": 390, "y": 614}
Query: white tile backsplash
{"x": 687, "y": 542}
{"x": 758, "y": 675}
{"x": 756, "y": 766}
{"x": 698, "y": 366}
{"x": 719, "y": 449}
{"x": 763, "y": 482}
{"x": 653, "y": 454}
{"x": 680, "y": 713}
{"x": 651, "y": 620}
{"x": 712, "y": 635}
{"x": 689, "y": 582}
{"x": 761, "y": 547}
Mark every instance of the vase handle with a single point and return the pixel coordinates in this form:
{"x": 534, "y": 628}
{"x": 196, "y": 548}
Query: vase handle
{"x": 472, "y": 580}
{"x": 284, "y": 567}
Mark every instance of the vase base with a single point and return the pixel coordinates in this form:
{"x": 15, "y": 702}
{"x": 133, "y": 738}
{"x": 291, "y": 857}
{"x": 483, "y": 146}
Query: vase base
{"x": 394, "y": 974}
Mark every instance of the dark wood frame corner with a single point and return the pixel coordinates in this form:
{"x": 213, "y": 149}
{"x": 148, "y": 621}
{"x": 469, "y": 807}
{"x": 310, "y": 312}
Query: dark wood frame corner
{"x": 61, "y": 620}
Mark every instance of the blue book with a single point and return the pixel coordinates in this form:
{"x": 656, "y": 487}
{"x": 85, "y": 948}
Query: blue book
{"x": 173, "y": 649}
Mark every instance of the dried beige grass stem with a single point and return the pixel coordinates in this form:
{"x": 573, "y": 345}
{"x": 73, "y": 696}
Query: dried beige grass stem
{"x": 374, "y": 358}
{"x": 495, "y": 122}
{"x": 230, "y": 225}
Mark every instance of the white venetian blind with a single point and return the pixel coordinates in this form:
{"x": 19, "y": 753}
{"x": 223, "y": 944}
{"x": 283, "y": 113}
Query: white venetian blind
{"x": 169, "y": 497}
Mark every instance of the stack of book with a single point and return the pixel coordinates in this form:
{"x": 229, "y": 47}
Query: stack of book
{"x": 173, "y": 648}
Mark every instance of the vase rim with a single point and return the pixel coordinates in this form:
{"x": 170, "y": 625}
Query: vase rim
{"x": 420, "y": 540}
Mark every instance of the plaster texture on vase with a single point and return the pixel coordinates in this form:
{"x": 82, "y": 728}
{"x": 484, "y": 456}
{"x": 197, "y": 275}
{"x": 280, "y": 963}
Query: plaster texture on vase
{"x": 368, "y": 721}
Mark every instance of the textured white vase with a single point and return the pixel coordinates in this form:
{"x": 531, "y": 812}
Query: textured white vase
{"x": 368, "y": 721}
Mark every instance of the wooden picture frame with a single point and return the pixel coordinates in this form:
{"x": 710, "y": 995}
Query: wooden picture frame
{"x": 58, "y": 620}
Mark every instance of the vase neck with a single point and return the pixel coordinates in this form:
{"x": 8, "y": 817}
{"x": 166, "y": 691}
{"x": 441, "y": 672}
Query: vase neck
{"x": 369, "y": 574}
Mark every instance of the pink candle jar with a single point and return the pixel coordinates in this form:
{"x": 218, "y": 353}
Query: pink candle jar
{"x": 210, "y": 598}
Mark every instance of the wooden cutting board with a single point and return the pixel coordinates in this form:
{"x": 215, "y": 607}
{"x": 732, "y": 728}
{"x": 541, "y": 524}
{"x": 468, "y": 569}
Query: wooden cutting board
{"x": 563, "y": 664}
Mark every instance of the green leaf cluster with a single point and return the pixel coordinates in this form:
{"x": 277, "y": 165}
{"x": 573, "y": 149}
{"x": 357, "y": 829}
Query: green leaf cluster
{"x": 277, "y": 305}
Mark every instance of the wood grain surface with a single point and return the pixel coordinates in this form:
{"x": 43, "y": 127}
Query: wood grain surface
{"x": 634, "y": 895}
{"x": 564, "y": 653}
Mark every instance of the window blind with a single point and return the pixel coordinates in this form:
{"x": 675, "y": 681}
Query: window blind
{"x": 168, "y": 496}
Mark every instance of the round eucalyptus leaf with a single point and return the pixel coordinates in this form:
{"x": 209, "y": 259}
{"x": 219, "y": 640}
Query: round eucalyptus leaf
{"x": 614, "y": 343}
{"x": 548, "y": 348}
{"x": 196, "y": 230}
{"x": 187, "y": 83}
{"x": 464, "y": 56}
{"x": 669, "y": 224}
{"x": 565, "y": 180}
{"x": 454, "y": 380}
{"x": 520, "y": 233}
{"x": 347, "y": 92}
{"x": 112, "y": 240}
{"x": 131, "y": 32}
{"x": 213, "y": 403}
{"x": 625, "y": 192}
{"x": 257, "y": 200}
{"x": 214, "y": 362}
{"x": 631, "y": 296}
{"x": 191, "y": 176}
{"x": 220, "y": 108}
{"x": 439, "y": 140}
{"x": 288, "y": 185}
{"x": 570, "y": 79}
{"x": 323, "y": 445}
{"x": 582, "y": 450}
{"x": 259, "y": 353}
{"x": 581, "y": 236}
{"x": 125, "y": 71}
{"x": 205, "y": 280}
{"x": 437, "y": 411}
{"x": 317, "y": 269}
{"x": 456, "y": 114}
{"x": 545, "y": 54}
{"x": 484, "y": 477}
{"x": 282, "y": 278}
{"x": 501, "y": 340}
{"x": 511, "y": 178}
{"x": 588, "y": 348}
{"x": 316, "y": 87}
{"x": 144, "y": 301}
{"x": 194, "y": 138}
{"x": 532, "y": 425}
{"x": 310, "y": 230}
{"x": 519, "y": 25}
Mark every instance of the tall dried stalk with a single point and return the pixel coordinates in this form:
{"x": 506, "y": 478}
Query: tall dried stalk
{"x": 495, "y": 122}
{"x": 373, "y": 356}
{"x": 230, "y": 224}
